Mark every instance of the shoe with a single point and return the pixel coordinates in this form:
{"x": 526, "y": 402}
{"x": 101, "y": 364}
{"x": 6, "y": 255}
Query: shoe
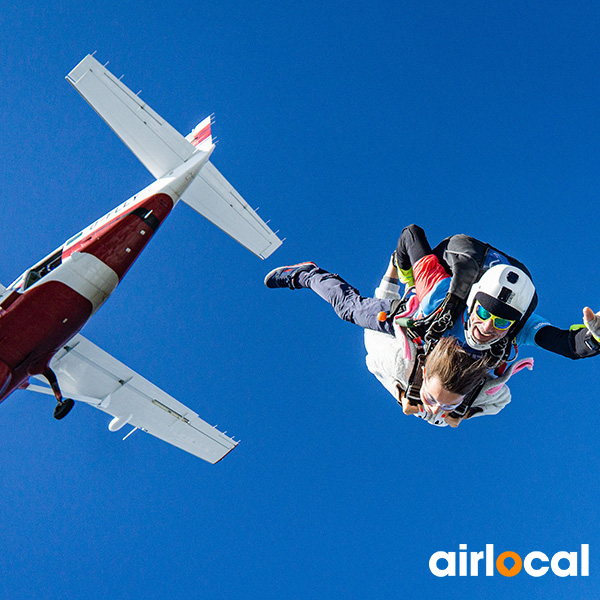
{"x": 283, "y": 277}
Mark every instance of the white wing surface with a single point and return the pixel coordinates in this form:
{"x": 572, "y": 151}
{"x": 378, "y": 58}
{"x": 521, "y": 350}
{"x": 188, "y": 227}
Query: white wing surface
{"x": 87, "y": 373}
{"x": 158, "y": 146}
{"x": 161, "y": 149}
{"x": 214, "y": 198}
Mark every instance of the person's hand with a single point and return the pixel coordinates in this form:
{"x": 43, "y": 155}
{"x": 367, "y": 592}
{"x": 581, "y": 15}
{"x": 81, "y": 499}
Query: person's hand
{"x": 407, "y": 407}
{"x": 453, "y": 422}
{"x": 592, "y": 322}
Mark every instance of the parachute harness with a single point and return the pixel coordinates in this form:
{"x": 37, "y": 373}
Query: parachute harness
{"x": 425, "y": 333}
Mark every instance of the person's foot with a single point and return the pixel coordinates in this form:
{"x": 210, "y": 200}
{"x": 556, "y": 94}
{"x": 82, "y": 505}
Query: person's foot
{"x": 283, "y": 277}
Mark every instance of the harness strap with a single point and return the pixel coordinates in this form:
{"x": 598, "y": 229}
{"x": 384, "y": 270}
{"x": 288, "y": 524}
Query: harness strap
{"x": 461, "y": 410}
{"x": 415, "y": 380}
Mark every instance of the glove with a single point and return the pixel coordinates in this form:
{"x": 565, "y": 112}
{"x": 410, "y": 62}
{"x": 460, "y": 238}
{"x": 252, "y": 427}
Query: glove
{"x": 450, "y": 311}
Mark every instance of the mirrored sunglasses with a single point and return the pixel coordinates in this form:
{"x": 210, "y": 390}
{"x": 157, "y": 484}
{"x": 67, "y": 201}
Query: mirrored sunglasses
{"x": 498, "y": 322}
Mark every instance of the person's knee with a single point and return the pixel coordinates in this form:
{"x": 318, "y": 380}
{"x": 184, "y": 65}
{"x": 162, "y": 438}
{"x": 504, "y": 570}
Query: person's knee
{"x": 412, "y": 246}
{"x": 414, "y": 230}
{"x": 413, "y": 234}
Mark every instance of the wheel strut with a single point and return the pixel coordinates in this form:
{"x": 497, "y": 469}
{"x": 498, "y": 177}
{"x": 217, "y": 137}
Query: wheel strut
{"x": 64, "y": 405}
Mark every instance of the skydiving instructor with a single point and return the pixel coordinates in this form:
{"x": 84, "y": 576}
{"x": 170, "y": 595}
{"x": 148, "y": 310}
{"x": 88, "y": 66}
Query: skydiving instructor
{"x": 485, "y": 298}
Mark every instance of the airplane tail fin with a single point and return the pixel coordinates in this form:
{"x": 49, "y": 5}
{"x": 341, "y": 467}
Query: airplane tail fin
{"x": 161, "y": 149}
{"x": 201, "y": 136}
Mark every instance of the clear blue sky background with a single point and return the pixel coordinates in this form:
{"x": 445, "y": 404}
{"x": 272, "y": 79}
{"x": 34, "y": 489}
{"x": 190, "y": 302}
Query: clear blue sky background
{"x": 344, "y": 122}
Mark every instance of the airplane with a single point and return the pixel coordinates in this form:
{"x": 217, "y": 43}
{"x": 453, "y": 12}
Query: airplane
{"x": 43, "y": 310}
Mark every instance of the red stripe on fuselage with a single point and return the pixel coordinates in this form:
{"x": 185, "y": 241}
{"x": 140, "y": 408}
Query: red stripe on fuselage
{"x": 33, "y": 328}
{"x": 119, "y": 242}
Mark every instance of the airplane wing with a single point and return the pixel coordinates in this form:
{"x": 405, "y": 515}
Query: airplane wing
{"x": 88, "y": 374}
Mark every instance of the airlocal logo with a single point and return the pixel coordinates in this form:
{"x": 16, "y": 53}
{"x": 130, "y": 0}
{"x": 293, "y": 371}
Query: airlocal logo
{"x": 535, "y": 563}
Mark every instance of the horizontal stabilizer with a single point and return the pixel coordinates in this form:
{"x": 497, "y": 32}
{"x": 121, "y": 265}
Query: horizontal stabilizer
{"x": 213, "y": 197}
{"x": 162, "y": 149}
{"x": 158, "y": 146}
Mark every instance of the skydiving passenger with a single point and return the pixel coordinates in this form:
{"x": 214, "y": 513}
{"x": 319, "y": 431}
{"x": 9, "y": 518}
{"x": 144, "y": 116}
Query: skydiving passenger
{"x": 499, "y": 313}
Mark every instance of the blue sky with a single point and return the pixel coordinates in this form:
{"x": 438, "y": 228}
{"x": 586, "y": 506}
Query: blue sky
{"x": 344, "y": 122}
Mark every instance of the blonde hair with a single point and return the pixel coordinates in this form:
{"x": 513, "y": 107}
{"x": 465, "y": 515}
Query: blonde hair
{"x": 458, "y": 371}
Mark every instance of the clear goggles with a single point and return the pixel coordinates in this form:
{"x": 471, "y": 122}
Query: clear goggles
{"x": 429, "y": 399}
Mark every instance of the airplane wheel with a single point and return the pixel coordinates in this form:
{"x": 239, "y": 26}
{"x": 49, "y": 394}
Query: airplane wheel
{"x": 63, "y": 409}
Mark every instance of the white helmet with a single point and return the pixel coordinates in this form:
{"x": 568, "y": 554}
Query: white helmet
{"x": 505, "y": 291}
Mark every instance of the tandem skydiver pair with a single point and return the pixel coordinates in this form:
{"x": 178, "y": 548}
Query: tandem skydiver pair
{"x": 480, "y": 298}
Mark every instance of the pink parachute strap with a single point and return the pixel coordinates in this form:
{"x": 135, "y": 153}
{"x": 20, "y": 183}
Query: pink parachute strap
{"x": 525, "y": 363}
{"x": 407, "y": 350}
{"x": 411, "y": 307}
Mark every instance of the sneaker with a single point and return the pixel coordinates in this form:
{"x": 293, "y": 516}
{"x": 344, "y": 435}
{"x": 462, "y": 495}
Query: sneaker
{"x": 283, "y": 277}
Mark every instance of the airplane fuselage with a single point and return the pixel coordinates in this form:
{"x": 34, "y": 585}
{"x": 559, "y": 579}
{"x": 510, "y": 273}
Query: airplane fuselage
{"x": 50, "y": 303}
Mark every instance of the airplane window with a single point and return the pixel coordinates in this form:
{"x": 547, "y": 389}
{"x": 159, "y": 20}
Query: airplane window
{"x": 71, "y": 240}
{"x": 42, "y": 269}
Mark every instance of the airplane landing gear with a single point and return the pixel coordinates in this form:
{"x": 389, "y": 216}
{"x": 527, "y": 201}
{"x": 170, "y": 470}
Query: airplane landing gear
{"x": 64, "y": 405}
{"x": 63, "y": 408}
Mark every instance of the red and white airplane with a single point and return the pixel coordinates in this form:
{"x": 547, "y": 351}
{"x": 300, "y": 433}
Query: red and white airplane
{"x": 42, "y": 312}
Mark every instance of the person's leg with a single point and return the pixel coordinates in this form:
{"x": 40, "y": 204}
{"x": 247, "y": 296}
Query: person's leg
{"x": 389, "y": 286}
{"x": 347, "y": 301}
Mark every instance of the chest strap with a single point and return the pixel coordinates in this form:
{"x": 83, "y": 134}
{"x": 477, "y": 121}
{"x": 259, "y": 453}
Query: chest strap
{"x": 415, "y": 379}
